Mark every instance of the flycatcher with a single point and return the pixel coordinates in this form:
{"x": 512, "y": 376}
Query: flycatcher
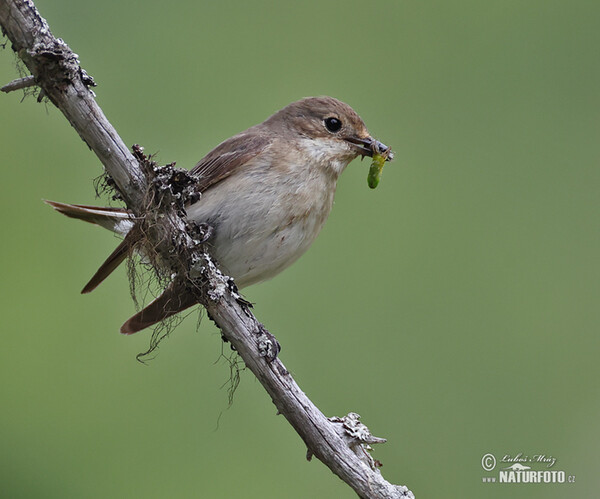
{"x": 266, "y": 193}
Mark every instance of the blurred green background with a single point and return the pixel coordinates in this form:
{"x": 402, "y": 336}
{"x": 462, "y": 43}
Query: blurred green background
{"x": 455, "y": 308}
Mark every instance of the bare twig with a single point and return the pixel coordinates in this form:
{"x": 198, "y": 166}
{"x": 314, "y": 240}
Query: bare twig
{"x": 18, "y": 84}
{"x": 340, "y": 443}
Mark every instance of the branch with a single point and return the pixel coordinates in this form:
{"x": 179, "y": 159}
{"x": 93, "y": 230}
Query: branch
{"x": 18, "y": 84}
{"x": 342, "y": 444}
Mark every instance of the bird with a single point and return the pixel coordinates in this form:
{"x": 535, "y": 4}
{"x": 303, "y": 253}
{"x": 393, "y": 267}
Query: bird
{"x": 265, "y": 193}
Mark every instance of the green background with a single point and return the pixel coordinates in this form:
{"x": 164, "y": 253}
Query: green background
{"x": 455, "y": 308}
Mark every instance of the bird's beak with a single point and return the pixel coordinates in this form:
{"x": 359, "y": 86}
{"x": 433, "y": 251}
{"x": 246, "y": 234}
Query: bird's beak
{"x": 370, "y": 146}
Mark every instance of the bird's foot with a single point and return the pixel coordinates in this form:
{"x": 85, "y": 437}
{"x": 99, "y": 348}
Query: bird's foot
{"x": 201, "y": 232}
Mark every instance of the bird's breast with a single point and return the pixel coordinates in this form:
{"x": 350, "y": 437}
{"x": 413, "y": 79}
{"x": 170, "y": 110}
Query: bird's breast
{"x": 264, "y": 220}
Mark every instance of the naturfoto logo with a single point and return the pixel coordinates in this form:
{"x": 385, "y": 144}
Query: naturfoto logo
{"x": 520, "y": 469}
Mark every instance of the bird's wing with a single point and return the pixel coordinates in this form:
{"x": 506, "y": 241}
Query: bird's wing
{"x": 228, "y": 157}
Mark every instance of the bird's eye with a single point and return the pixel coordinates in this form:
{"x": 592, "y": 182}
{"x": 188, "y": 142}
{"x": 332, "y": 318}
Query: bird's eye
{"x": 333, "y": 124}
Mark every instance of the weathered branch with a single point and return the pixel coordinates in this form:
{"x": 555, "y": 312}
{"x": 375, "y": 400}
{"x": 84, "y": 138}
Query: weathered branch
{"x": 18, "y": 84}
{"x": 341, "y": 444}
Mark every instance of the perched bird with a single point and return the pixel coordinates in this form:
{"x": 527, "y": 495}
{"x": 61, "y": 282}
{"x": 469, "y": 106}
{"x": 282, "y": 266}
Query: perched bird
{"x": 266, "y": 193}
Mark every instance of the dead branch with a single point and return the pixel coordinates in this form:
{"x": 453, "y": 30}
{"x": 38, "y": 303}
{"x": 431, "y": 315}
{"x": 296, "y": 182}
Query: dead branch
{"x": 340, "y": 443}
{"x": 18, "y": 84}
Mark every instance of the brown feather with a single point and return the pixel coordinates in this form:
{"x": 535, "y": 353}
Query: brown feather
{"x": 110, "y": 264}
{"x": 229, "y": 156}
{"x": 174, "y": 299}
{"x": 105, "y": 217}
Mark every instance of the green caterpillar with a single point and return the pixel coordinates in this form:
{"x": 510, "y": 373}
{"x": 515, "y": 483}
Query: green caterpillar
{"x": 376, "y": 169}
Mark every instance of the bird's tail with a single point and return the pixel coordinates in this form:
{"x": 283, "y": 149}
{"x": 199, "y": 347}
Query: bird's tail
{"x": 115, "y": 219}
{"x": 173, "y": 300}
